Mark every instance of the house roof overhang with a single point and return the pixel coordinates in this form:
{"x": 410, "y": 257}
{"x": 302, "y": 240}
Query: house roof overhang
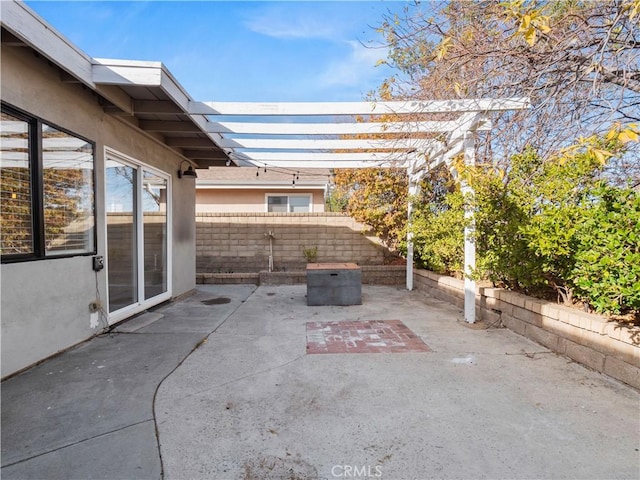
{"x": 143, "y": 94}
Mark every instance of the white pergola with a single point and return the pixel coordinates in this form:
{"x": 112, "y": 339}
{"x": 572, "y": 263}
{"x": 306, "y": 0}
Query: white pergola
{"x": 358, "y": 135}
{"x": 285, "y": 135}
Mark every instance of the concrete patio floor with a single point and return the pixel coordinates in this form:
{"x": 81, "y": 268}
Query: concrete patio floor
{"x": 221, "y": 386}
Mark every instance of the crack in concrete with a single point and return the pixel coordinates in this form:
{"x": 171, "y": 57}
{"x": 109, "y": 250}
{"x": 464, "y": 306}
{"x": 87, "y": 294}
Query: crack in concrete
{"x": 78, "y": 442}
{"x": 250, "y": 375}
{"x": 198, "y": 345}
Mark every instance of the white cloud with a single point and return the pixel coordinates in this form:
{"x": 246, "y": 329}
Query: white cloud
{"x": 290, "y": 22}
{"x": 356, "y": 69}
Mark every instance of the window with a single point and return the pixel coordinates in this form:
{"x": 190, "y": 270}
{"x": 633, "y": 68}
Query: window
{"x": 289, "y": 203}
{"x": 46, "y": 190}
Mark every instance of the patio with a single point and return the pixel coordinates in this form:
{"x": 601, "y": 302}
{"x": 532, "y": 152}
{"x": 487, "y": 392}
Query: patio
{"x": 241, "y": 382}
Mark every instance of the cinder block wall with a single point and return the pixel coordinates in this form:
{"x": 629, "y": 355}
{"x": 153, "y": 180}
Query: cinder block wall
{"x": 592, "y": 340}
{"x": 239, "y": 242}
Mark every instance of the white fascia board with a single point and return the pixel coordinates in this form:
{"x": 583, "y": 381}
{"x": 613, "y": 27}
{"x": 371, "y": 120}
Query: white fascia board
{"x": 358, "y": 108}
{"x": 127, "y": 72}
{"x": 34, "y": 31}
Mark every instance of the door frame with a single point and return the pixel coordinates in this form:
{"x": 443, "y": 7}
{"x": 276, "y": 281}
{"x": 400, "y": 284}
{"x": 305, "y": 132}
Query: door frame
{"x": 141, "y": 304}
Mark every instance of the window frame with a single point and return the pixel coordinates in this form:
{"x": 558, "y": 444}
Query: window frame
{"x": 36, "y": 175}
{"x": 288, "y": 195}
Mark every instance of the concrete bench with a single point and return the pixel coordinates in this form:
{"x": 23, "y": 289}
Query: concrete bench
{"x": 334, "y": 284}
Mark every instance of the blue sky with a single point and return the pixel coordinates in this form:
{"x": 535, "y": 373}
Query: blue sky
{"x": 238, "y": 51}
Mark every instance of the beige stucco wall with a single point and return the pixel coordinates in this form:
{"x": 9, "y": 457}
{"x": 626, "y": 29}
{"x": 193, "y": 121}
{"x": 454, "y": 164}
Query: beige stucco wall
{"x": 248, "y": 200}
{"x": 45, "y": 302}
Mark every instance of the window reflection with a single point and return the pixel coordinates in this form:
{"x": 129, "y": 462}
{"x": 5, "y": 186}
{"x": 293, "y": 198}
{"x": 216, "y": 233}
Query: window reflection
{"x": 15, "y": 187}
{"x": 154, "y": 211}
{"x": 67, "y": 163}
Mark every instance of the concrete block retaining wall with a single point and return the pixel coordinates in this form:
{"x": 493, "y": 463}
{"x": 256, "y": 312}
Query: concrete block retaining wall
{"x": 371, "y": 275}
{"x": 238, "y": 242}
{"x": 589, "y": 339}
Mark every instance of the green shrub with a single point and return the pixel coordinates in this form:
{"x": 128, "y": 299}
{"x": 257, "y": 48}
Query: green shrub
{"x": 607, "y": 261}
{"x": 438, "y": 235}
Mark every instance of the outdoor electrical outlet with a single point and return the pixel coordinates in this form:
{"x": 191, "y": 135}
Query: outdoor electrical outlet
{"x": 98, "y": 263}
{"x": 95, "y": 306}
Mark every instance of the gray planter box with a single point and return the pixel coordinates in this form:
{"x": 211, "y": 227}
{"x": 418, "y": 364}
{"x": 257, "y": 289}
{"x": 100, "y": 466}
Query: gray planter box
{"x": 334, "y": 284}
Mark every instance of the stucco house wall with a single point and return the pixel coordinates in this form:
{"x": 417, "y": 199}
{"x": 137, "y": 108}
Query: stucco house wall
{"x": 245, "y": 190}
{"x": 248, "y": 200}
{"x": 45, "y": 303}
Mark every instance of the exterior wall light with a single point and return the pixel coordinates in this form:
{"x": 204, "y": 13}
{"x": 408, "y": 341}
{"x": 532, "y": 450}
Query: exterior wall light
{"x": 189, "y": 172}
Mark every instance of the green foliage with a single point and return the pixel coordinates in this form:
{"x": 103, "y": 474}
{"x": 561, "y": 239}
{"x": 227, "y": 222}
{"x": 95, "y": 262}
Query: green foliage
{"x": 378, "y": 198}
{"x": 607, "y": 260}
{"x": 438, "y": 234}
{"x": 310, "y": 254}
{"x": 503, "y": 207}
{"x": 543, "y": 223}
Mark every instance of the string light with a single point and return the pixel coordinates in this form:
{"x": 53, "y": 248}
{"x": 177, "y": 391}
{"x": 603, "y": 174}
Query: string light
{"x": 296, "y": 174}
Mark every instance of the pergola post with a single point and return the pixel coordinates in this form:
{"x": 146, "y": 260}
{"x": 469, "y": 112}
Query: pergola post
{"x": 469, "y": 230}
{"x": 414, "y": 186}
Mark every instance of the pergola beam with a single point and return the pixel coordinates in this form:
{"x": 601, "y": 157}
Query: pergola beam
{"x": 337, "y": 128}
{"x": 355, "y": 108}
{"x": 324, "y": 144}
{"x": 292, "y": 165}
{"x": 318, "y": 157}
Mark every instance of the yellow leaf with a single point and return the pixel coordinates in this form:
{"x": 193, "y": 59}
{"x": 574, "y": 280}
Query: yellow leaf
{"x": 530, "y": 36}
{"x": 543, "y": 25}
{"x": 628, "y": 135}
{"x": 600, "y": 155}
{"x": 633, "y": 7}
{"x": 442, "y": 48}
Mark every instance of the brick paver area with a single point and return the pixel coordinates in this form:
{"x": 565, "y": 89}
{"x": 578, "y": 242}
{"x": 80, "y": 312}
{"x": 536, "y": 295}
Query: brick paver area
{"x": 374, "y": 336}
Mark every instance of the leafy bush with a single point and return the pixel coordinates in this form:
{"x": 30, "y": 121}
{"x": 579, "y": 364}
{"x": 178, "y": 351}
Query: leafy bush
{"x": 607, "y": 260}
{"x": 438, "y": 235}
{"x": 543, "y": 225}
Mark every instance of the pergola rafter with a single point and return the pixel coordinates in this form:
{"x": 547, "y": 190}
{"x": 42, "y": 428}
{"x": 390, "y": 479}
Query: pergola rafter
{"x": 416, "y": 135}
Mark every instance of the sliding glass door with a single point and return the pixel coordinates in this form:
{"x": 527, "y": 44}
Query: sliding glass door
{"x": 154, "y": 221}
{"x": 138, "y": 243}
